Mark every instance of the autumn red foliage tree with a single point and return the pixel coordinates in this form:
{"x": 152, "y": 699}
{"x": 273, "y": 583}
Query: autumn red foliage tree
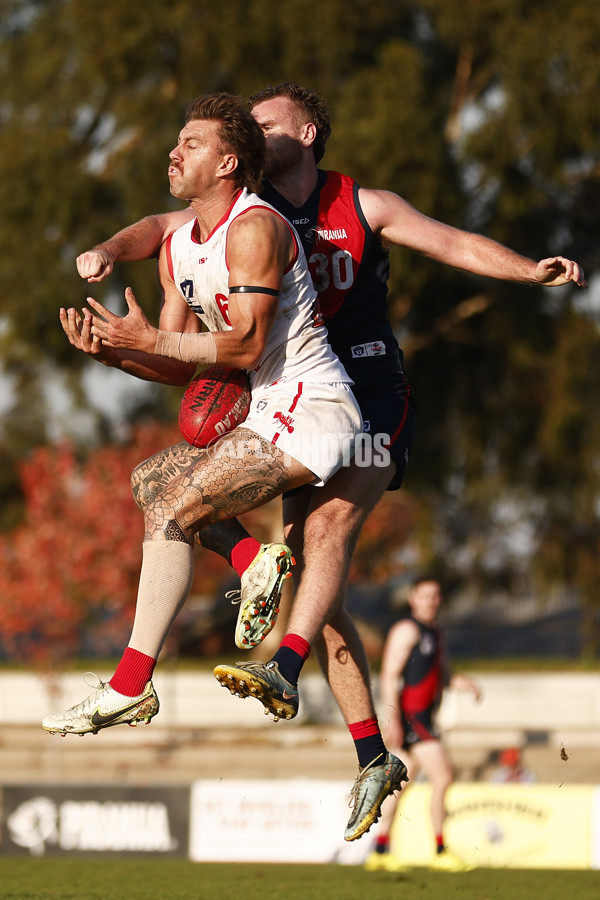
{"x": 69, "y": 572}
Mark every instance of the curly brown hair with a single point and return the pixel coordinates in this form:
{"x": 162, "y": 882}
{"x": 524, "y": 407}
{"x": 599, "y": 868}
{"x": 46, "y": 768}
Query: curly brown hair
{"x": 311, "y": 108}
{"x": 238, "y": 133}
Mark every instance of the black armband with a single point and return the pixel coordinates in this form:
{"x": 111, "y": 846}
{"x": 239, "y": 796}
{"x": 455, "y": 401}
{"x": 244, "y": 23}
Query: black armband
{"x": 252, "y": 289}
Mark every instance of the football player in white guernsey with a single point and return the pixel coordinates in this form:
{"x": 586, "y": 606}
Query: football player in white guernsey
{"x": 239, "y": 269}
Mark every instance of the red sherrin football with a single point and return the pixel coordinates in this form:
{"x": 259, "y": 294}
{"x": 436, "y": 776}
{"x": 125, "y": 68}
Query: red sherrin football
{"x": 215, "y": 402}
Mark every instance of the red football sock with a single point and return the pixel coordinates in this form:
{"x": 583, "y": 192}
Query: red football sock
{"x": 133, "y": 673}
{"x": 297, "y": 644}
{"x": 291, "y": 656}
{"x": 382, "y": 844}
{"x": 243, "y": 554}
{"x": 367, "y": 740}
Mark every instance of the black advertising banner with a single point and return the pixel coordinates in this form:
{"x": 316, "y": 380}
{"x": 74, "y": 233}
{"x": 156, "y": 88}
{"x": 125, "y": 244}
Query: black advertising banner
{"x": 58, "y": 821}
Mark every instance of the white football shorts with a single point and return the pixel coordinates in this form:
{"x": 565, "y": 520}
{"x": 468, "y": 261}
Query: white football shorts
{"x": 316, "y": 424}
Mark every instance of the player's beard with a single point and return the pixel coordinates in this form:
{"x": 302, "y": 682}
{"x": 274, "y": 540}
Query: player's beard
{"x": 283, "y": 154}
{"x": 180, "y": 186}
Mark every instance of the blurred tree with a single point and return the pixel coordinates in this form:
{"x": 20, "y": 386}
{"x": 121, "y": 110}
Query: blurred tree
{"x": 484, "y": 115}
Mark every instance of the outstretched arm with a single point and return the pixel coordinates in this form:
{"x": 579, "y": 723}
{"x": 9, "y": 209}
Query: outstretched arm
{"x": 397, "y": 222}
{"x": 142, "y": 240}
{"x": 175, "y": 315}
{"x": 461, "y": 682}
{"x": 258, "y": 249}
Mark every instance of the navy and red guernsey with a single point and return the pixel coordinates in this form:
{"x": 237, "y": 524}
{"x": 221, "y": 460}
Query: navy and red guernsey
{"x": 423, "y": 683}
{"x": 350, "y": 268}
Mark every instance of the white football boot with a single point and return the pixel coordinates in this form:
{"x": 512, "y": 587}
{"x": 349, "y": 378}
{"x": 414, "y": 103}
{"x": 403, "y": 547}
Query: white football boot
{"x": 260, "y": 594}
{"x": 103, "y": 708}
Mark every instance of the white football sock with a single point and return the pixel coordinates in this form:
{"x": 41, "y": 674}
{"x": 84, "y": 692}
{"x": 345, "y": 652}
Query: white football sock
{"x": 165, "y": 582}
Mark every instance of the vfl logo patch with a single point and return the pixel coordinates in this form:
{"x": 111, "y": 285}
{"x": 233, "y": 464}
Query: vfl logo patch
{"x": 187, "y": 288}
{"x": 187, "y": 291}
{"x": 372, "y": 348}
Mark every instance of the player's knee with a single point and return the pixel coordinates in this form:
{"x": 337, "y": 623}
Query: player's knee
{"x": 141, "y": 488}
{"x": 445, "y": 777}
{"x": 332, "y": 523}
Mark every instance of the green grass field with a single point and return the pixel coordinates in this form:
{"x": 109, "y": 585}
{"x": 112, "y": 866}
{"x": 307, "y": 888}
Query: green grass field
{"x": 115, "y": 879}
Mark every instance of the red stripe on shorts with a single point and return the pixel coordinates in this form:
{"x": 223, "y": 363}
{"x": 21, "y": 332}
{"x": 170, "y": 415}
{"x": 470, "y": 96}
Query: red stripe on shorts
{"x": 293, "y": 405}
{"x": 296, "y": 398}
{"x": 398, "y": 430}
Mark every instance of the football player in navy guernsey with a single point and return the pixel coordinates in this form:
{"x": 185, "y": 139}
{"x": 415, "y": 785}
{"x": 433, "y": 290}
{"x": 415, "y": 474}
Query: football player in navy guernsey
{"x": 345, "y": 229}
{"x": 414, "y": 673}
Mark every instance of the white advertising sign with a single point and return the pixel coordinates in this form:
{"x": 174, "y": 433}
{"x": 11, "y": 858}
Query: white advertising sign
{"x": 270, "y": 821}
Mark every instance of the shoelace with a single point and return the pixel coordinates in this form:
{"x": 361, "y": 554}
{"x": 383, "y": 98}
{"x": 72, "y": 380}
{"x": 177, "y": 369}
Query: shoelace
{"x": 251, "y": 664}
{"x": 234, "y": 597}
{"x": 359, "y": 780}
{"x": 90, "y": 701}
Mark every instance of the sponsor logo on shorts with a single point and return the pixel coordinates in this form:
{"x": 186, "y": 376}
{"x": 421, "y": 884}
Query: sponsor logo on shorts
{"x": 285, "y": 421}
{"x": 372, "y": 348}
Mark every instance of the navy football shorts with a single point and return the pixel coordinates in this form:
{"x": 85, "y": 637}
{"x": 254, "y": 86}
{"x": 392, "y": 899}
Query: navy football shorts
{"x": 419, "y": 727}
{"x": 391, "y": 410}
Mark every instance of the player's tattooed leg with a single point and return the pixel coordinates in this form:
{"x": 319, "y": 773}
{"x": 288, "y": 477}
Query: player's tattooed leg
{"x": 153, "y": 475}
{"x": 239, "y": 473}
{"x": 173, "y": 532}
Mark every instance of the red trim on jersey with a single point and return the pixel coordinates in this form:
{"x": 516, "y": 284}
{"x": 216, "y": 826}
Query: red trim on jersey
{"x": 337, "y": 213}
{"x": 417, "y": 697}
{"x": 170, "y": 256}
{"x": 196, "y": 239}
